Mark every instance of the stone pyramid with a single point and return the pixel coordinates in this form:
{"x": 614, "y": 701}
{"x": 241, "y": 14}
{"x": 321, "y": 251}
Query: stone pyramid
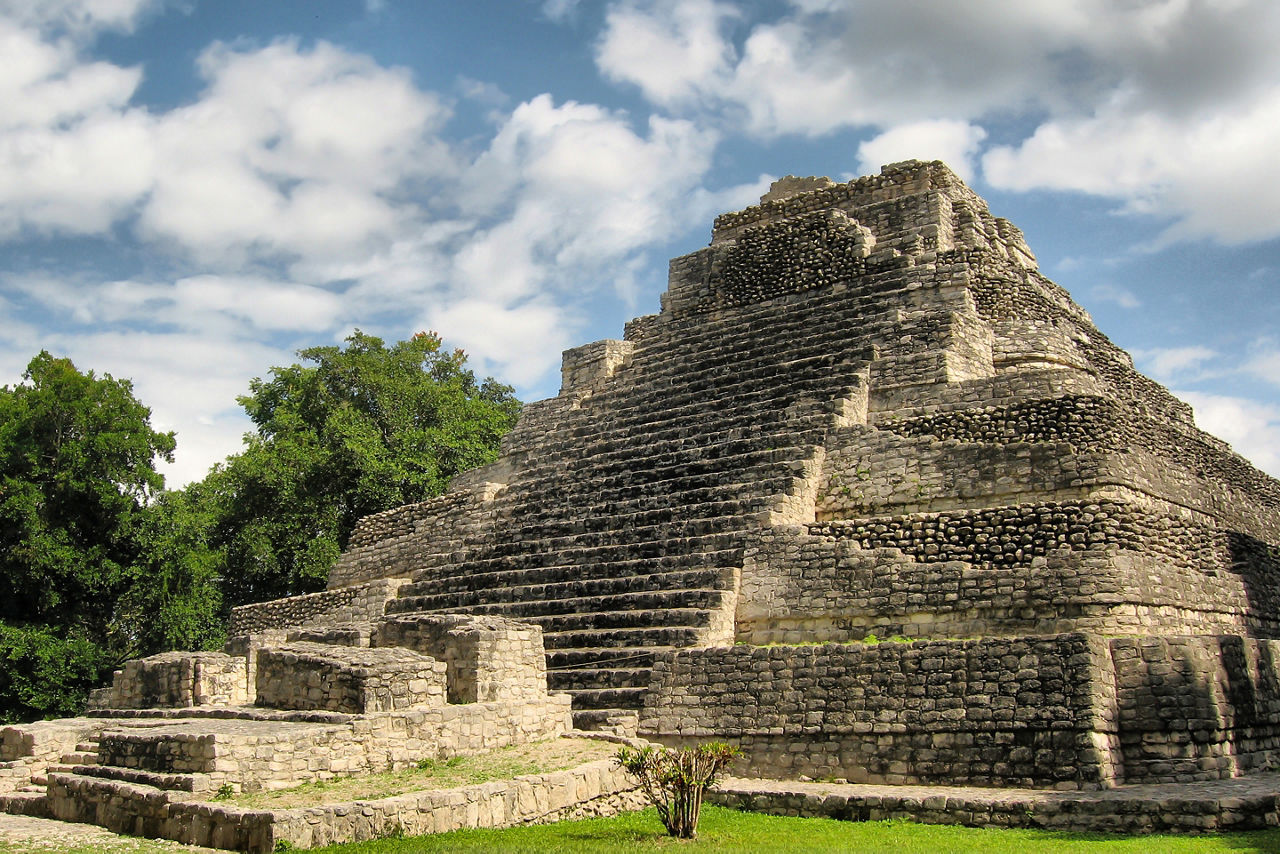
{"x": 863, "y": 412}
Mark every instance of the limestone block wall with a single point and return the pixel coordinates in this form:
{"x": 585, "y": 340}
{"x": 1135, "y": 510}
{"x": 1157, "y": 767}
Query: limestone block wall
{"x": 392, "y": 544}
{"x": 176, "y": 679}
{"x": 869, "y": 471}
{"x": 1162, "y": 457}
{"x": 354, "y": 680}
{"x": 1197, "y": 708}
{"x": 489, "y": 659}
{"x": 1231, "y": 579}
{"x": 587, "y": 368}
{"x": 1042, "y": 568}
{"x": 994, "y": 712}
{"x": 356, "y": 602}
{"x": 28, "y": 749}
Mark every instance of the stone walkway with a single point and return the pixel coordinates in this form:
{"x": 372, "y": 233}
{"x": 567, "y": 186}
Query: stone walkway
{"x": 1243, "y": 803}
{"x": 46, "y": 833}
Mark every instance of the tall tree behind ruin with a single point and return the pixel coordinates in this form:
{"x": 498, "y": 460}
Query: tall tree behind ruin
{"x": 83, "y": 582}
{"x": 349, "y": 432}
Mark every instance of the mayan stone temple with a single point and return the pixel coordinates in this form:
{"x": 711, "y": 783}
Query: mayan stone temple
{"x": 870, "y": 498}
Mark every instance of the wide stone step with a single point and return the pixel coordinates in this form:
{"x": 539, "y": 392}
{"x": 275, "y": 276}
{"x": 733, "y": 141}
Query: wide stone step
{"x": 613, "y": 698}
{"x": 622, "y": 721}
{"x": 491, "y": 573}
{"x": 570, "y": 679}
{"x": 666, "y": 618}
{"x": 642, "y": 601}
{"x": 80, "y": 757}
{"x": 604, "y": 659}
{"x": 194, "y": 783}
{"x": 610, "y": 638}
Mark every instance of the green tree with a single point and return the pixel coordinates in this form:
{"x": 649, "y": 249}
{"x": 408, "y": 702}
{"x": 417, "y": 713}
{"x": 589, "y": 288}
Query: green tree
{"x": 93, "y": 569}
{"x": 174, "y": 596}
{"x": 351, "y": 431}
{"x": 77, "y": 466}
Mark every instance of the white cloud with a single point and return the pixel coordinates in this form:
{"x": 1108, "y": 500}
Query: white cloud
{"x": 1170, "y": 107}
{"x": 573, "y": 188}
{"x": 955, "y": 142}
{"x": 1264, "y": 362}
{"x": 522, "y": 342}
{"x": 190, "y": 380}
{"x": 672, "y": 49}
{"x": 1252, "y": 428}
{"x": 1121, "y": 296}
{"x": 73, "y": 157}
{"x": 1206, "y": 172}
{"x": 559, "y": 10}
{"x": 1169, "y": 364}
{"x": 79, "y": 17}
{"x": 292, "y": 152}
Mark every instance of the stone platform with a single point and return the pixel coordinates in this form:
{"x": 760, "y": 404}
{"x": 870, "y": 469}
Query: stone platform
{"x": 1243, "y": 803}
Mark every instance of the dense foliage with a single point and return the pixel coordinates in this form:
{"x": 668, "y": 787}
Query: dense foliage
{"x": 77, "y": 469}
{"x": 98, "y": 564}
{"x": 352, "y": 431}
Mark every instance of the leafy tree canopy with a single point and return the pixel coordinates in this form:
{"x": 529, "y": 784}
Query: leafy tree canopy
{"x": 94, "y": 568}
{"x": 351, "y": 431}
{"x": 77, "y": 459}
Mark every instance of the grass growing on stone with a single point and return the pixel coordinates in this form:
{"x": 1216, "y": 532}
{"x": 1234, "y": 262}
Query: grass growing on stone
{"x": 724, "y": 831}
{"x": 502, "y": 764}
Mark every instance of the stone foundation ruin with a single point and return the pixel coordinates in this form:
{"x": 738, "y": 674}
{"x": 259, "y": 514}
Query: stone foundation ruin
{"x": 862, "y": 414}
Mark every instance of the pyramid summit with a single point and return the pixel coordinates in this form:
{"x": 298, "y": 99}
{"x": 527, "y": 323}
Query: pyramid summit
{"x": 862, "y": 413}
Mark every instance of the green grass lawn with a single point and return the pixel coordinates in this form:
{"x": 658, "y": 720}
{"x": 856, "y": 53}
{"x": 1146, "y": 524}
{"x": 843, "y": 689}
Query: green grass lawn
{"x": 723, "y": 830}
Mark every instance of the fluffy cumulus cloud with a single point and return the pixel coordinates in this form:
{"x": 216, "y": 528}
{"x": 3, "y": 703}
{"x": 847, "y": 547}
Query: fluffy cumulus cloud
{"x": 79, "y": 18}
{"x": 73, "y": 156}
{"x": 300, "y": 152}
{"x": 1170, "y": 107}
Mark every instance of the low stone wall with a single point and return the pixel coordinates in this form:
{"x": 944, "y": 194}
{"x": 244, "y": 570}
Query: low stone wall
{"x": 355, "y": 603}
{"x": 1002, "y": 711}
{"x": 354, "y": 680}
{"x": 15, "y": 773}
{"x": 252, "y": 753}
{"x": 175, "y": 680}
{"x": 1135, "y": 811}
{"x": 490, "y": 659}
{"x": 594, "y": 789}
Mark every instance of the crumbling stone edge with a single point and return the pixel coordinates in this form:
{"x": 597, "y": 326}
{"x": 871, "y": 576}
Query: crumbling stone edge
{"x": 597, "y": 788}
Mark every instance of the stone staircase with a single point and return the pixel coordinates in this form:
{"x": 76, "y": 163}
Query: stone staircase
{"x": 82, "y": 760}
{"x": 622, "y": 531}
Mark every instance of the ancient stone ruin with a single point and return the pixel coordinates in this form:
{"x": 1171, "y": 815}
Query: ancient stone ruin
{"x": 862, "y": 414}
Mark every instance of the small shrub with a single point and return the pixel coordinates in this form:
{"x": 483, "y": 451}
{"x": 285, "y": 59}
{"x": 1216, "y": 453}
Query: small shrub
{"x": 675, "y": 780}
{"x": 225, "y": 792}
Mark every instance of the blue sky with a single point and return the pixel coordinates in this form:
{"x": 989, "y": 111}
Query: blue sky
{"x": 192, "y": 190}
